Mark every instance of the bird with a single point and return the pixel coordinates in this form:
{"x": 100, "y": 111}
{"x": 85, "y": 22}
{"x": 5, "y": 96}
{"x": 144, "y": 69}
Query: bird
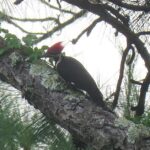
{"x": 74, "y": 73}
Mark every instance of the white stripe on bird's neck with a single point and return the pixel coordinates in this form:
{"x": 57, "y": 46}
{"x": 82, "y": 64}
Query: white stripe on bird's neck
{"x": 59, "y": 59}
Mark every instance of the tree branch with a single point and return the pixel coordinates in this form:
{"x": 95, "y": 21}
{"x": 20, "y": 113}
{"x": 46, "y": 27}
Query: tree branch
{"x": 8, "y": 19}
{"x": 131, "y": 6}
{"x": 123, "y": 28}
{"x": 56, "y": 8}
{"x": 135, "y": 82}
{"x": 69, "y": 109}
{"x": 30, "y": 19}
{"x": 139, "y": 109}
{"x": 57, "y": 28}
{"x": 122, "y": 65}
{"x": 143, "y": 33}
{"x": 46, "y": 91}
{"x": 86, "y": 30}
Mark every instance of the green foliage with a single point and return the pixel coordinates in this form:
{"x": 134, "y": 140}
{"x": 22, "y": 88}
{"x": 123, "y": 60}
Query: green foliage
{"x": 145, "y": 119}
{"x": 34, "y": 54}
{"x": 135, "y": 119}
{"x": 30, "y": 39}
{"x": 12, "y": 41}
{"x": 28, "y": 129}
{"x": 2, "y": 50}
{"x": 8, "y": 124}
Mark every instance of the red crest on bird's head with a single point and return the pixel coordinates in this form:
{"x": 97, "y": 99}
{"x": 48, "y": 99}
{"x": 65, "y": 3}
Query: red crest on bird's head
{"x": 56, "y": 48}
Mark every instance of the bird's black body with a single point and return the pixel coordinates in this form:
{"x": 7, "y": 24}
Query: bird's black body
{"x": 73, "y": 71}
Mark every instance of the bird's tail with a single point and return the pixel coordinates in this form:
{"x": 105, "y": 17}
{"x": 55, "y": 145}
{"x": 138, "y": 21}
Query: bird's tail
{"x": 97, "y": 97}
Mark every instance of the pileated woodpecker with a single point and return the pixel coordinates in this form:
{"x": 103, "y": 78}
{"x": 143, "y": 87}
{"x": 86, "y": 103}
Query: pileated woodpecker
{"x": 73, "y": 71}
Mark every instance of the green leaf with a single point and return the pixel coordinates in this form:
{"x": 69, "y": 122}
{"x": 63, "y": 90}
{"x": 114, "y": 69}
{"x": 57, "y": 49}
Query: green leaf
{"x": 29, "y": 51}
{"x": 35, "y": 55}
{"x": 2, "y": 50}
{"x": 30, "y": 39}
{"x": 12, "y": 41}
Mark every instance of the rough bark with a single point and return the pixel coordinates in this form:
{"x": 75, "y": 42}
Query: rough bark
{"x": 46, "y": 91}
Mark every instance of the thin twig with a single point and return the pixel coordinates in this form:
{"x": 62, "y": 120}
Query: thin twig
{"x": 143, "y": 33}
{"x": 122, "y": 66}
{"x": 29, "y": 19}
{"x": 134, "y": 7}
{"x": 17, "y": 2}
{"x": 57, "y": 28}
{"x": 56, "y": 8}
{"x": 23, "y": 30}
{"x": 110, "y": 96}
{"x": 135, "y": 82}
{"x": 86, "y": 30}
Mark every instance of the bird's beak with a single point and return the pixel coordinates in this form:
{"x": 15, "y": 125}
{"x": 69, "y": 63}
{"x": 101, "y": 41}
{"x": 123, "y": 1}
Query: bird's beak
{"x": 45, "y": 55}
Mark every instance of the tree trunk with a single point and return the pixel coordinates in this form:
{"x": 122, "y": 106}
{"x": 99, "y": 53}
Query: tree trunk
{"x": 45, "y": 90}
